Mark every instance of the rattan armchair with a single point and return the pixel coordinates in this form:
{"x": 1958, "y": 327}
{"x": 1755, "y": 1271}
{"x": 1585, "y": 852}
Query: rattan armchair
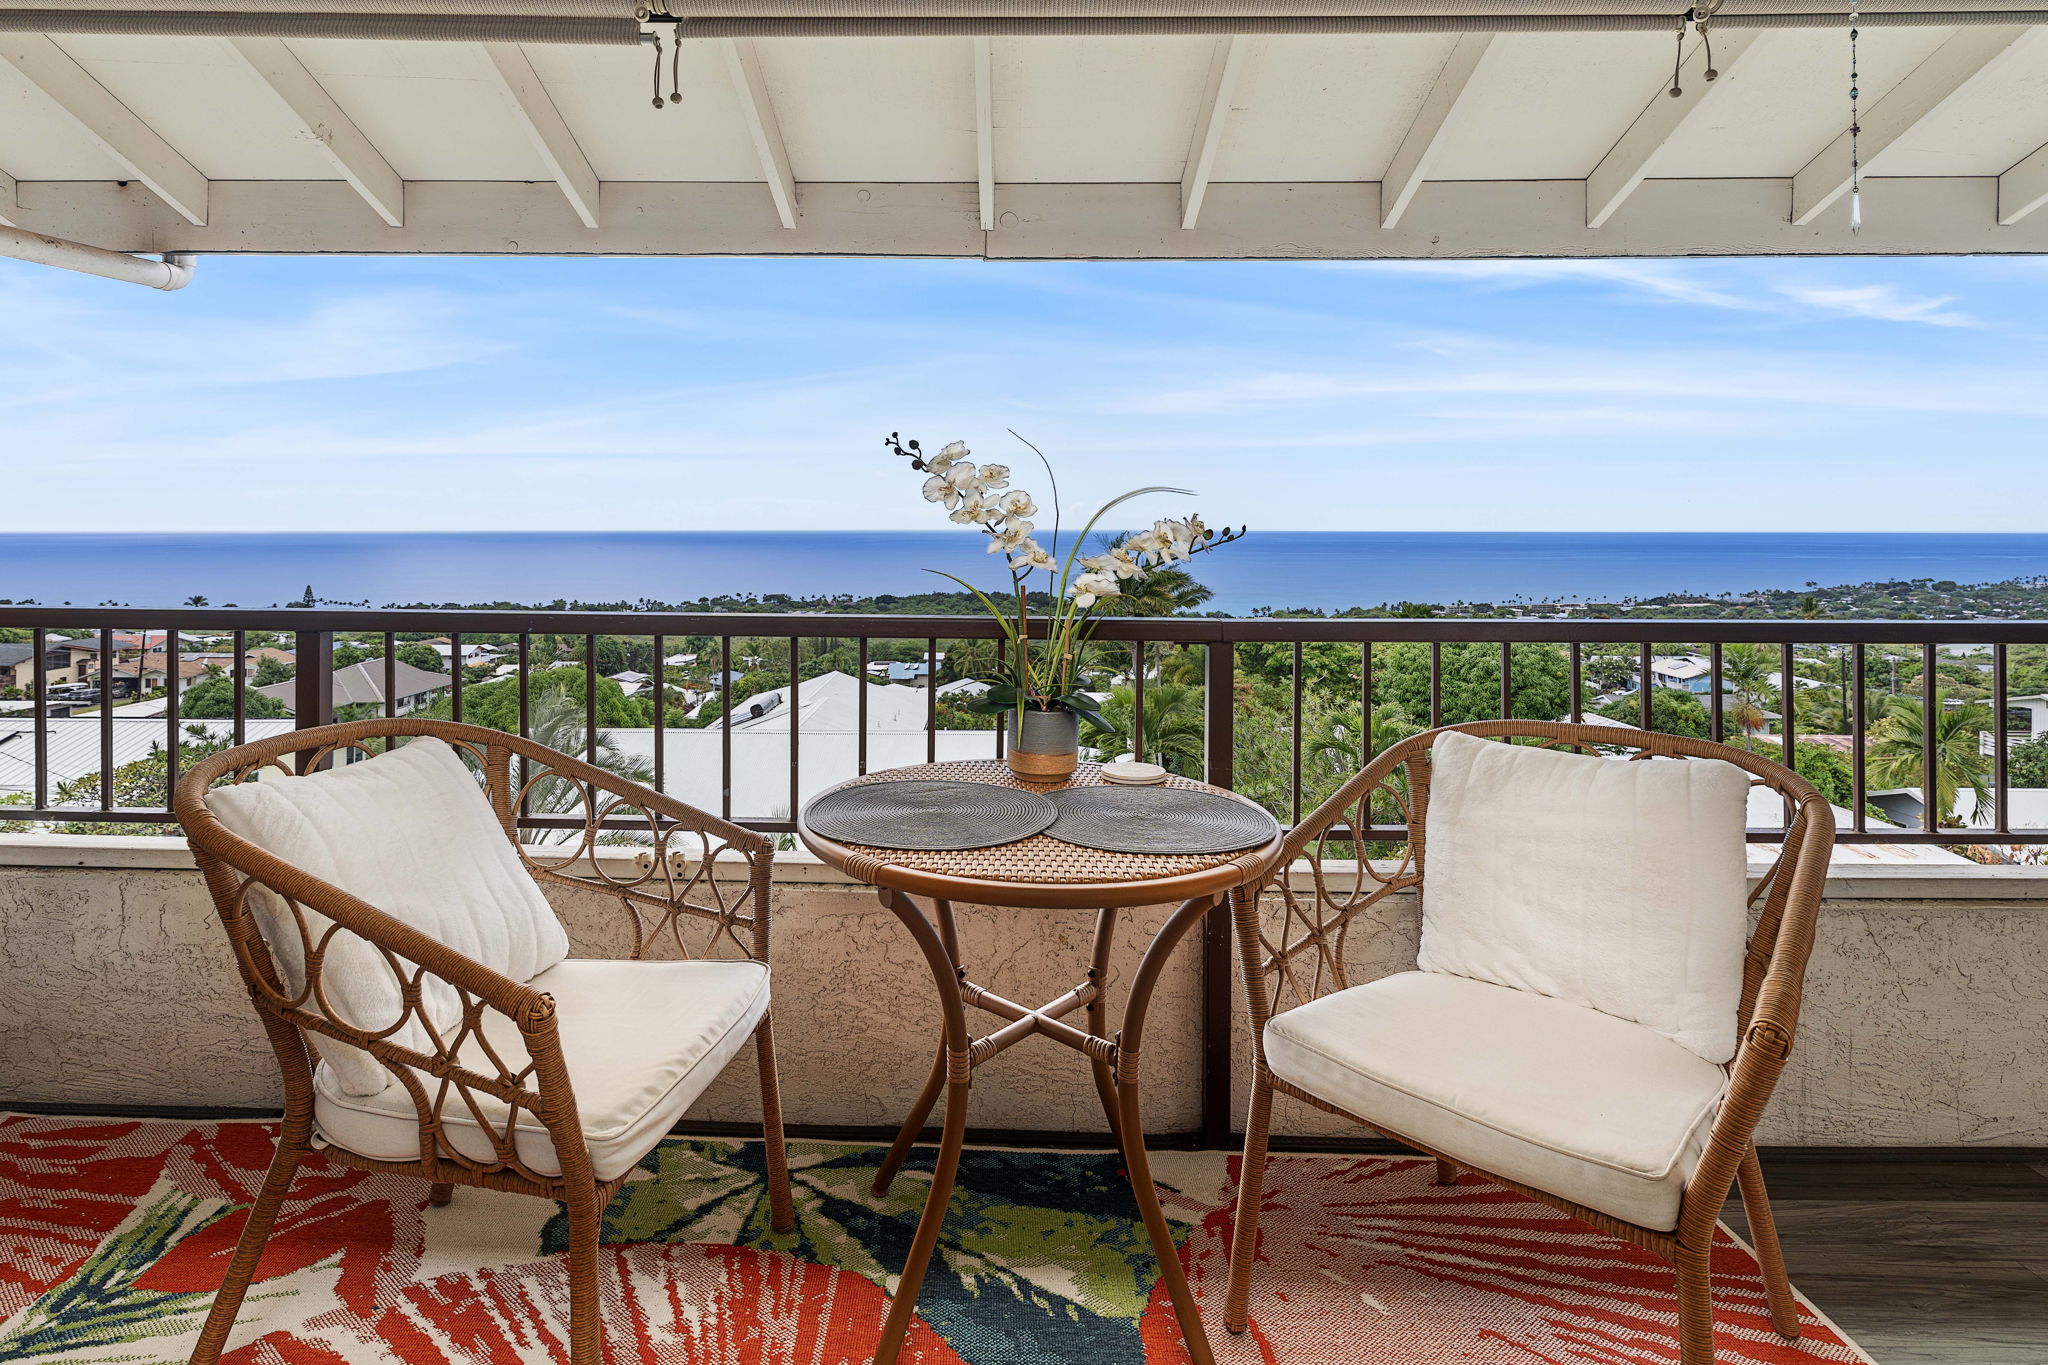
{"x": 695, "y": 899}
{"x": 1292, "y": 948}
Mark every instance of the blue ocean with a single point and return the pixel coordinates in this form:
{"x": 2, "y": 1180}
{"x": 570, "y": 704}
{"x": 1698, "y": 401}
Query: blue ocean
{"x": 1276, "y": 569}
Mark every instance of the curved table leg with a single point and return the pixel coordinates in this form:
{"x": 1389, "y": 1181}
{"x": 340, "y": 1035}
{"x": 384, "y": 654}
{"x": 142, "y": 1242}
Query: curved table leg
{"x": 1131, "y": 1114}
{"x": 1098, "y": 1023}
{"x": 906, "y": 1136}
{"x": 940, "y": 955}
{"x": 921, "y": 1108}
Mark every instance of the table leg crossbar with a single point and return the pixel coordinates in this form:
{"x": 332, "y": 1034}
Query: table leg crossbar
{"x": 1113, "y": 1060}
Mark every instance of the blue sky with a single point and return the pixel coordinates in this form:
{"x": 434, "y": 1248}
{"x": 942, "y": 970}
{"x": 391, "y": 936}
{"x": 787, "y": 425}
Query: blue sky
{"x": 420, "y": 394}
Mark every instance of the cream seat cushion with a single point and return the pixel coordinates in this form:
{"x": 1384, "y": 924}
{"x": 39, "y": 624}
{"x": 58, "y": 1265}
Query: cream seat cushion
{"x": 1551, "y": 1094}
{"x": 1615, "y": 884}
{"x": 641, "y": 1041}
{"x": 411, "y": 833}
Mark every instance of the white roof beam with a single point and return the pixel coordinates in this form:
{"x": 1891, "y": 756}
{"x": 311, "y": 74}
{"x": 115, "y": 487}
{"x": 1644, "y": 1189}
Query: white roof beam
{"x": 985, "y": 127}
{"x": 743, "y": 64}
{"x": 1214, "y": 111}
{"x": 10, "y": 200}
{"x": 108, "y": 122}
{"x": 1630, "y": 160}
{"x": 544, "y": 126}
{"x": 315, "y": 116}
{"x": 1418, "y": 149}
{"x": 1926, "y": 89}
{"x": 2023, "y": 188}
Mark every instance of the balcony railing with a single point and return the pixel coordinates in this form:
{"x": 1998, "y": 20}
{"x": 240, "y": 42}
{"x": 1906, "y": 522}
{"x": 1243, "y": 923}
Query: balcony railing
{"x": 1838, "y": 652}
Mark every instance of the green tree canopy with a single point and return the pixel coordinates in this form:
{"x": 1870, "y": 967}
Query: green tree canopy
{"x": 495, "y": 705}
{"x": 213, "y": 697}
{"x": 1540, "y": 680}
{"x": 1671, "y": 712}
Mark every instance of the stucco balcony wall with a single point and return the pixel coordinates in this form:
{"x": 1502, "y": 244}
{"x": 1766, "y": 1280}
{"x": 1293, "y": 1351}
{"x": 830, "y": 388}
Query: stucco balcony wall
{"x": 1926, "y": 1005}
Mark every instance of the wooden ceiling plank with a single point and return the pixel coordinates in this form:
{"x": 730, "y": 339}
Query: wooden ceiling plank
{"x": 544, "y": 126}
{"x": 110, "y": 124}
{"x": 985, "y": 127}
{"x": 1213, "y": 112}
{"x": 743, "y": 64}
{"x": 1628, "y": 163}
{"x": 2023, "y": 188}
{"x": 1418, "y": 149}
{"x": 1925, "y": 90}
{"x": 313, "y": 114}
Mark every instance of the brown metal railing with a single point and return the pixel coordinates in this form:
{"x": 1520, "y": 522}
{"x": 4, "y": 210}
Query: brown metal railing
{"x": 315, "y": 631}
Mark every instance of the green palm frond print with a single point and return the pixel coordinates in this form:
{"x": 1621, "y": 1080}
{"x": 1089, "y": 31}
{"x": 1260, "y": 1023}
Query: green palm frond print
{"x": 1039, "y": 1263}
{"x": 99, "y": 1308}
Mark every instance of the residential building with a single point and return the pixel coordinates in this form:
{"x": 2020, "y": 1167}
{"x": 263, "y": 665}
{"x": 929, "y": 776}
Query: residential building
{"x": 363, "y": 685}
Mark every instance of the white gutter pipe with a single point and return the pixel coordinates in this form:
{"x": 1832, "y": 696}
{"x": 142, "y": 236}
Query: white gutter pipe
{"x": 174, "y": 271}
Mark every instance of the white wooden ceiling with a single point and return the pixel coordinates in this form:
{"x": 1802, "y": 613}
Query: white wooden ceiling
{"x": 1246, "y": 145}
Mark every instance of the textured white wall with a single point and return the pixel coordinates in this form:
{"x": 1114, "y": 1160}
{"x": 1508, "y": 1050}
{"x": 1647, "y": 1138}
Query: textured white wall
{"x": 1924, "y": 1024}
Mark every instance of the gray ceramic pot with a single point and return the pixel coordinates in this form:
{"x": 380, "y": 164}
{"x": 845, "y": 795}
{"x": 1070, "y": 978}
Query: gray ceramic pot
{"x": 1044, "y": 745}
{"x": 1045, "y": 732}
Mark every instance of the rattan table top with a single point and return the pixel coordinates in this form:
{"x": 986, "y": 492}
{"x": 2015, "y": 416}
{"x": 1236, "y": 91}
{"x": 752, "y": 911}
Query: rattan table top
{"x": 1040, "y": 870}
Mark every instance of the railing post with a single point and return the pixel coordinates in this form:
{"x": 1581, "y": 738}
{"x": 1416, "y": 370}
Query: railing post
{"x": 1220, "y": 744}
{"x": 313, "y": 692}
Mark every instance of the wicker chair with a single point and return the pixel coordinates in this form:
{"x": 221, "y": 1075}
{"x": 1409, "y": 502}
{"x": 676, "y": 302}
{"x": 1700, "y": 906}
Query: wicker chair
{"x": 461, "y": 1105}
{"x": 1295, "y": 949}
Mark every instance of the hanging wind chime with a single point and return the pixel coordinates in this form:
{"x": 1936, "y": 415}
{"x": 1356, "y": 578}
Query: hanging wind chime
{"x": 1855, "y": 131}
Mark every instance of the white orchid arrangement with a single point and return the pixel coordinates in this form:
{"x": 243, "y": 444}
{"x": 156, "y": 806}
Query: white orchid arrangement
{"x": 1041, "y": 663}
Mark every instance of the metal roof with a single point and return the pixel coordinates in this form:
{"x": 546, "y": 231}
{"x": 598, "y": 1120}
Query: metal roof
{"x": 75, "y": 744}
{"x": 1005, "y": 129}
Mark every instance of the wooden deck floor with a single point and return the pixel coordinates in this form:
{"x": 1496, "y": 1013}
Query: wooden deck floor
{"x": 1923, "y": 1263}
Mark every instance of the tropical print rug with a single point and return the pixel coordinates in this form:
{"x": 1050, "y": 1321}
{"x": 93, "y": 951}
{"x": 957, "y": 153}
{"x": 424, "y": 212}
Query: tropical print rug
{"x": 114, "y": 1233}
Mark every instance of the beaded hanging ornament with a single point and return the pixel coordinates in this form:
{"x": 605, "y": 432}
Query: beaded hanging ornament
{"x": 1855, "y": 131}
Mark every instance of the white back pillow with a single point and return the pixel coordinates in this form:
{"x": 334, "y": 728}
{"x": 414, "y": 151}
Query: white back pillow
{"x": 412, "y": 833}
{"x": 1617, "y": 885}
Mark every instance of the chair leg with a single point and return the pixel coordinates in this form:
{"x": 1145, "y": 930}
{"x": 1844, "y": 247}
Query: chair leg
{"x": 220, "y": 1319}
{"x": 1446, "y": 1172}
{"x": 441, "y": 1195}
{"x": 586, "y": 1318}
{"x": 1695, "y": 1308}
{"x": 1251, "y": 1185}
{"x": 781, "y": 1215}
{"x": 1763, "y": 1235}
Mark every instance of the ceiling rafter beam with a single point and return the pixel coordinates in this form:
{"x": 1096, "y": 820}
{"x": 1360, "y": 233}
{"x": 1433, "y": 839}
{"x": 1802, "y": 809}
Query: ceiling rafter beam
{"x": 2023, "y": 188}
{"x": 1213, "y": 112}
{"x": 535, "y": 109}
{"x": 1629, "y": 162}
{"x": 743, "y": 64}
{"x": 1924, "y": 91}
{"x": 985, "y": 127}
{"x": 314, "y": 115}
{"x": 110, "y": 124}
{"x": 1418, "y": 149}
{"x": 10, "y": 200}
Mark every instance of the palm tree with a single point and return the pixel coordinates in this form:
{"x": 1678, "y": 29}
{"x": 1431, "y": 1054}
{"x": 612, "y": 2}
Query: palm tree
{"x": 557, "y": 721}
{"x": 1173, "y": 727}
{"x": 1897, "y": 754}
{"x": 1746, "y": 672}
{"x": 1162, "y": 592}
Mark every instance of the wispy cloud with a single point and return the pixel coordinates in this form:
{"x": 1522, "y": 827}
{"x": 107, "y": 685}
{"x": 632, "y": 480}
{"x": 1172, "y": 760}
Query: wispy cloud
{"x": 1740, "y": 287}
{"x": 1885, "y": 302}
{"x": 335, "y": 394}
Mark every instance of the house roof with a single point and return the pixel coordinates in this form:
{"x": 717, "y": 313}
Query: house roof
{"x": 990, "y": 128}
{"x": 364, "y": 682}
{"x": 74, "y": 744}
{"x": 11, "y": 654}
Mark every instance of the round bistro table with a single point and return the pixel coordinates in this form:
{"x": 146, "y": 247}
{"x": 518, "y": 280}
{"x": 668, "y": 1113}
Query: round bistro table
{"x": 1037, "y": 873}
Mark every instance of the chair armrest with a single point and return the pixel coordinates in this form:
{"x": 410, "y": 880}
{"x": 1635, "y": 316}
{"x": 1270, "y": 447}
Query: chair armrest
{"x": 670, "y": 885}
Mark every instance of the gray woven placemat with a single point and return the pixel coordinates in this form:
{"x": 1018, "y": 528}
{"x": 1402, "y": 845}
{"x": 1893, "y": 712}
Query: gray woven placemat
{"x": 1157, "y": 820}
{"x": 929, "y": 815}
